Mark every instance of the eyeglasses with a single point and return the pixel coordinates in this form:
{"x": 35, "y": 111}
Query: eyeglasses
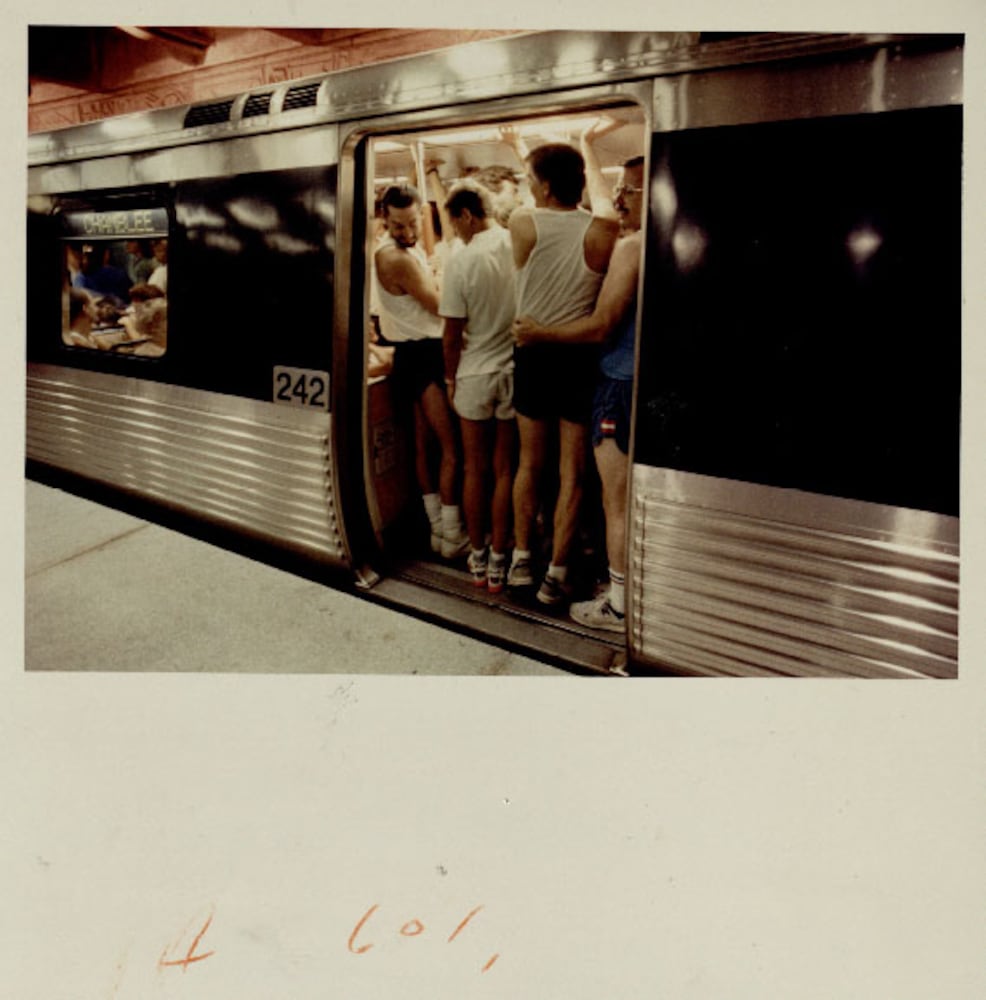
{"x": 622, "y": 189}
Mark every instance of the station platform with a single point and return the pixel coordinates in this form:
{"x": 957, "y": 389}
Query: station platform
{"x": 106, "y": 591}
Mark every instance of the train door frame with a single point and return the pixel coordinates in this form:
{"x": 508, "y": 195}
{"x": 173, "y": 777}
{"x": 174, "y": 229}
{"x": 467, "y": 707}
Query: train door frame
{"x": 374, "y": 572}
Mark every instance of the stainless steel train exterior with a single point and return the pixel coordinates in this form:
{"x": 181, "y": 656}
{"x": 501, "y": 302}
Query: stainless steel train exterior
{"x": 793, "y": 505}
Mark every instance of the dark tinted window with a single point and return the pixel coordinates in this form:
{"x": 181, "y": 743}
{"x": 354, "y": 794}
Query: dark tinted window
{"x": 802, "y": 327}
{"x": 252, "y": 282}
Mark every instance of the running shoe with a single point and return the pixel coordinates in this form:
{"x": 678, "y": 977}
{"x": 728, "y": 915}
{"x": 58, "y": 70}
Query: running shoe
{"x": 436, "y": 536}
{"x": 553, "y": 592}
{"x": 599, "y": 614}
{"x": 477, "y": 565}
{"x": 455, "y": 546}
{"x": 520, "y": 574}
{"x": 496, "y": 574}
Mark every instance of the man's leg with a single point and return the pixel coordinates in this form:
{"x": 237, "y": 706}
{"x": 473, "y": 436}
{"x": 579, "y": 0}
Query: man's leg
{"x": 532, "y": 435}
{"x": 530, "y": 463}
{"x": 571, "y": 472}
{"x": 422, "y": 469}
{"x": 503, "y": 460}
{"x": 475, "y": 447}
{"x": 434, "y": 405}
{"x": 607, "y": 611}
{"x": 612, "y": 465}
{"x": 422, "y": 472}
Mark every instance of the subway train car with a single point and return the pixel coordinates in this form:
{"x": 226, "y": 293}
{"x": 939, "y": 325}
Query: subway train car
{"x": 793, "y": 503}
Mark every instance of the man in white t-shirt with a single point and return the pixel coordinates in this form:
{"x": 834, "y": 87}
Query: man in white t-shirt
{"x": 159, "y": 276}
{"x": 477, "y": 304}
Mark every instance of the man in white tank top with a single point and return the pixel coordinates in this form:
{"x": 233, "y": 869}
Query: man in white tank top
{"x": 408, "y": 297}
{"x": 613, "y": 323}
{"x": 561, "y": 253}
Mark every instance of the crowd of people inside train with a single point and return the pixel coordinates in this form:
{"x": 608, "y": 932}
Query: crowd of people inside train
{"x": 117, "y": 296}
{"x": 515, "y": 336}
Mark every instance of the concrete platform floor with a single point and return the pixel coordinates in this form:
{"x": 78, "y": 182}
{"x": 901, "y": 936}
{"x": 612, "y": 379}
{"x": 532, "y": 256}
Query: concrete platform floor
{"x": 105, "y": 591}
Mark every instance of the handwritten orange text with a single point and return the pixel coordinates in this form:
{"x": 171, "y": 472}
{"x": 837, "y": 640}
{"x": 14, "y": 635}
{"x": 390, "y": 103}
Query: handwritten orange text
{"x": 190, "y": 956}
{"x": 411, "y": 928}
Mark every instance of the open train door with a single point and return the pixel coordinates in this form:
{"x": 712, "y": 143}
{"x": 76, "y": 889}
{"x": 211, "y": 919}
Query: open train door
{"x": 405, "y": 570}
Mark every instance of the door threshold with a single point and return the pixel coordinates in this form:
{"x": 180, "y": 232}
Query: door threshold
{"x": 447, "y": 596}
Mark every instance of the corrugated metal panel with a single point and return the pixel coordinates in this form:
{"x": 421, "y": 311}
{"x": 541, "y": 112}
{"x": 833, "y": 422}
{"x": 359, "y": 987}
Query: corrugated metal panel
{"x": 255, "y": 467}
{"x": 804, "y": 588}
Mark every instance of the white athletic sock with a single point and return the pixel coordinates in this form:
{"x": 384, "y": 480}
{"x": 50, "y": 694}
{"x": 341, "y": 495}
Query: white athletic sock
{"x": 451, "y": 521}
{"x": 433, "y": 507}
{"x": 617, "y": 592}
{"x": 520, "y": 554}
{"x": 557, "y": 572}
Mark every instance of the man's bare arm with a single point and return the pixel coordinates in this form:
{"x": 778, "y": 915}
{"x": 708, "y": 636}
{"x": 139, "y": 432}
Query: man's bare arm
{"x": 452, "y": 338}
{"x": 617, "y": 292}
{"x": 400, "y": 274}
{"x": 523, "y": 235}
{"x": 600, "y": 192}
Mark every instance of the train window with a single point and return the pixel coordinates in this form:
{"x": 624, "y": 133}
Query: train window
{"x": 115, "y": 281}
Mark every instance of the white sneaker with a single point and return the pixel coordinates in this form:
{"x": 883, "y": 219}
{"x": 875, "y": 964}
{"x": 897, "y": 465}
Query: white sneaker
{"x": 436, "y": 536}
{"x": 478, "y": 564}
{"x": 599, "y": 614}
{"x": 553, "y": 592}
{"x": 456, "y": 545}
{"x": 496, "y": 574}
{"x": 520, "y": 574}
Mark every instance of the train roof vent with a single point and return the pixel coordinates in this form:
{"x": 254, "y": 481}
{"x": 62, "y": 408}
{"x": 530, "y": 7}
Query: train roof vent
{"x": 302, "y": 96}
{"x": 208, "y": 114}
{"x": 257, "y": 104}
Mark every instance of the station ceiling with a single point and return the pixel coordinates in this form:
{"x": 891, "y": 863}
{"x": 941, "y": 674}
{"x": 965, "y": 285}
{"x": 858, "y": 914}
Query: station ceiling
{"x": 79, "y": 73}
{"x": 101, "y": 59}
{"x": 82, "y": 73}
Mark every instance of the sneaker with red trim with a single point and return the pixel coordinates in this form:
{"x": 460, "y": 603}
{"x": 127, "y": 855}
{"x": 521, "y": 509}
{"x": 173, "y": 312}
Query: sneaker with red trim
{"x": 477, "y": 564}
{"x": 496, "y": 574}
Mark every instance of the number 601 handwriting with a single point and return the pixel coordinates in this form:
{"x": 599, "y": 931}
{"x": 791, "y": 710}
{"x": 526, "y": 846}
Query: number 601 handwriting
{"x": 412, "y": 928}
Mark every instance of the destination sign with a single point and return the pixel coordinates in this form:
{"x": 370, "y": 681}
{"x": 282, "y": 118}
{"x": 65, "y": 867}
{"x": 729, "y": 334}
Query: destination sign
{"x": 137, "y": 222}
